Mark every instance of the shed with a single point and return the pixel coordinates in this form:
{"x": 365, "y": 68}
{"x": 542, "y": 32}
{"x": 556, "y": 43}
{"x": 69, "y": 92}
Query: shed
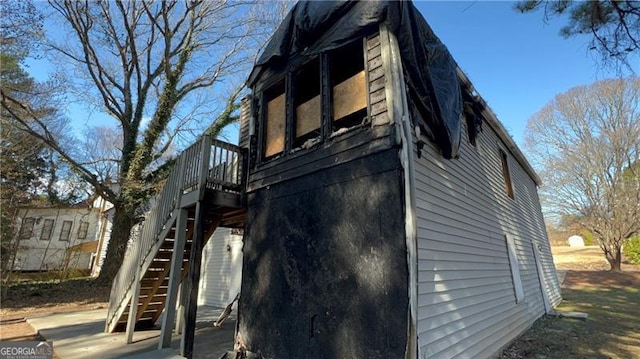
{"x": 389, "y": 213}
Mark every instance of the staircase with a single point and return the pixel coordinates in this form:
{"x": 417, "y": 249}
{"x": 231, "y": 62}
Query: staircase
{"x": 208, "y": 175}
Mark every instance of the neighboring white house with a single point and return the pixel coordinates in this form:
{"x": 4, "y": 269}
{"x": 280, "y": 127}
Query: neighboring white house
{"x": 53, "y": 238}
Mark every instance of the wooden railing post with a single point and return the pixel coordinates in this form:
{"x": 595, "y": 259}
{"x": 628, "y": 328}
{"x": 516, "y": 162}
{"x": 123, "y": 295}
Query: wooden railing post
{"x": 135, "y": 294}
{"x": 205, "y": 156}
{"x": 174, "y": 280}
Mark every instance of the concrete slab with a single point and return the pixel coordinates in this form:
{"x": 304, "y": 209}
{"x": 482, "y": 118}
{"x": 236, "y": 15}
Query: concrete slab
{"x": 80, "y": 335}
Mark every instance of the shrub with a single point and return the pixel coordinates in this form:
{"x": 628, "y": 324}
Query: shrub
{"x": 631, "y": 250}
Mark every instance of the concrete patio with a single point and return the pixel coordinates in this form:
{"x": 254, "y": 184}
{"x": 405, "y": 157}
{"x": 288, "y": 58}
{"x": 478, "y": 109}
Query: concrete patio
{"x": 79, "y": 335}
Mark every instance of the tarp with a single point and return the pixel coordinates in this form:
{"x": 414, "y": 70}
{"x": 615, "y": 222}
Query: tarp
{"x": 313, "y": 27}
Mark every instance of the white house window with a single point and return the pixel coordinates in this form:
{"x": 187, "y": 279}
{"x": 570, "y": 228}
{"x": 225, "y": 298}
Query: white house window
{"x": 66, "y": 230}
{"x": 82, "y": 230}
{"x": 515, "y": 268}
{"x": 27, "y": 227}
{"x": 47, "y": 229}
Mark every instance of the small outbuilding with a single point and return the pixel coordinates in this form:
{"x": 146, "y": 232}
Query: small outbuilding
{"x": 575, "y": 241}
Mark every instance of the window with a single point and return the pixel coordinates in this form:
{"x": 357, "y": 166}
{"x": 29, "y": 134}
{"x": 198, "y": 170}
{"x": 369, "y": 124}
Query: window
{"x": 66, "y": 230}
{"x": 274, "y": 119}
{"x": 515, "y": 268}
{"x": 307, "y": 103}
{"x": 326, "y": 94}
{"x": 348, "y": 86}
{"x": 47, "y": 229}
{"x": 82, "y": 230}
{"x": 508, "y": 187}
{"x": 27, "y": 227}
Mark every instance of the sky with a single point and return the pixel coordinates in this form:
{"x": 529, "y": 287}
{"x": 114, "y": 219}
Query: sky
{"x": 516, "y": 62}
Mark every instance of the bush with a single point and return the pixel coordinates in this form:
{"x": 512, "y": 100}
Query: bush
{"x": 588, "y": 238}
{"x": 631, "y": 250}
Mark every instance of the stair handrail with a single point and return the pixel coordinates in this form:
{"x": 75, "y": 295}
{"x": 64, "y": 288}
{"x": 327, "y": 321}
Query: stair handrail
{"x": 207, "y": 163}
{"x": 140, "y": 246}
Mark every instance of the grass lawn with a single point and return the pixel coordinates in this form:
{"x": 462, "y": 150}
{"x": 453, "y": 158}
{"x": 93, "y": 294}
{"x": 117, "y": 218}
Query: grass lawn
{"x": 612, "y": 330}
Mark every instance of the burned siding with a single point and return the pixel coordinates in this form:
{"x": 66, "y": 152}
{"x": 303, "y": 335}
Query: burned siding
{"x": 336, "y": 146}
{"x": 376, "y": 81}
{"x": 325, "y": 272}
{"x": 245, "y": 122}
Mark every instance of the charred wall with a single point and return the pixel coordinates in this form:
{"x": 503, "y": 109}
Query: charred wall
{"x": 325, "y": 270}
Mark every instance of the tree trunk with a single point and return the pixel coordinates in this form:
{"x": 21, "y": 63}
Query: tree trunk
{"x": 123, "y": 221}
{"x": 615, "y": 259}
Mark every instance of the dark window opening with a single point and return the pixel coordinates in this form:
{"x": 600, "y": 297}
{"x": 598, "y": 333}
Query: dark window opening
{"x": 27, "y": 227}
{"x": 307, "y": 103}
{"x": 348, "y": 86}
{"x": 275, "y": 119}
{"x": 65, "y": 231}
{"x": 506, "y": 174}
{"x": 47, "y": 229}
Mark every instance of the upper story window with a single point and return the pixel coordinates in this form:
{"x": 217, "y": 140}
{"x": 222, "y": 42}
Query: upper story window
{"x": 307, "y": 102}
{"x": 66, "y": 230}
{"x": 325, "y": 94}
{"x": 82, "y": 230}
{"x": 275, "y": 120}
{"x": 348, "y": 86}
{"x": 27, "y": 227}
{"x": 47, "y": 229}
{"x": 508, "y": 186}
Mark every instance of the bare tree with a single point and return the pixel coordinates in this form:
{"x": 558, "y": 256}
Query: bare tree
{"x": 149, "y": 65}
{"x": 613, "y": 26}
{"x": 587, "y": 144}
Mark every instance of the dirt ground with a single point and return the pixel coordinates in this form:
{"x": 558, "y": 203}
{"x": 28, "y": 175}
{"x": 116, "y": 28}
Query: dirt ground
{"x": 30, "y": 300}
{"x": 585, "y": 258}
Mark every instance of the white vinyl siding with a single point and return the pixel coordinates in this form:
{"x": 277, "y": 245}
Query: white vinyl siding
{"x": 217, "y": 268}
{"x": 466, "y": 304}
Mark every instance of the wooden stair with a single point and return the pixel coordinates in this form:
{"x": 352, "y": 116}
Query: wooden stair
{"x": 154, "y": 284}
{"x": 206, "y": 182}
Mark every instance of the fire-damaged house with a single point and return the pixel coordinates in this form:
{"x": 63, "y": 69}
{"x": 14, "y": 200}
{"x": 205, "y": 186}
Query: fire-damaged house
{"x": 389, "y": 213}
{"x": 386, "y": 211}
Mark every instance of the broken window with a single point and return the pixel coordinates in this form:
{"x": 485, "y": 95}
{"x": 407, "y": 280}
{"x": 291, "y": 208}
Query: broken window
{"x": 47, "y": 229}
{"x": 65, "y": 231}
{"x": 27, "y": 227}
{"x": 307, "y": 102}
{"x": 506, "y": 174}
{"x": 275, "y": 119}
{"x": 348, "y": 86}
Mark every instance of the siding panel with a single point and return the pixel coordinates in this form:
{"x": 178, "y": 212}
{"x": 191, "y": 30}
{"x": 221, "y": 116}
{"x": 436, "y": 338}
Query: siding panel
{"x": 466, "y": 299}
{"x": 216, "y": 272}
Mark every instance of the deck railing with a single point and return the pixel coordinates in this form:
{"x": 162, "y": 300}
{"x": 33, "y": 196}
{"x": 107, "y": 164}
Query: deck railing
{"x": 207, "y": 164}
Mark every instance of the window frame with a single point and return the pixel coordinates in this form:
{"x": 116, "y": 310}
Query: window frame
{"x": 44, "y": 226}
{"x": 326, "y": 105}
{"x": 506, "y": 174}
{"x": 65, "y": 232}
{"x": 83, "y": 230}
{"x": 27, "y": 222}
